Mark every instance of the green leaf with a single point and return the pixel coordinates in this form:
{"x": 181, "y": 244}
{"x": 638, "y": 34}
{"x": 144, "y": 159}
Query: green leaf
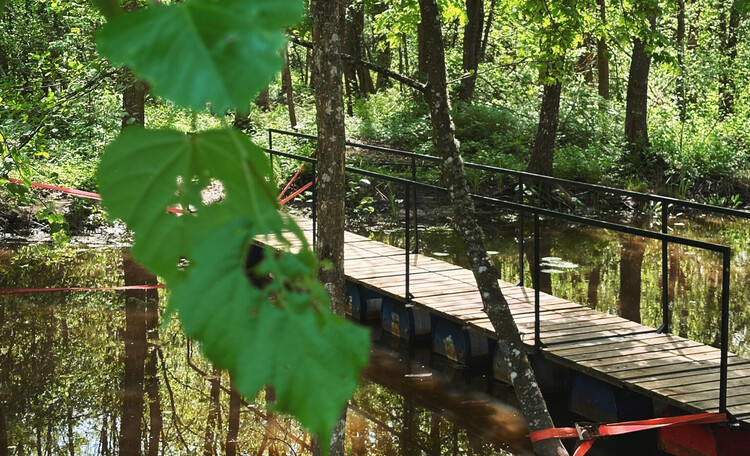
{"x": 109, "y": 8}
{"x": 276, "y": 335}
{"x": 282, "y": 334}
{"x": 203, "y": 51}
{"x": 144, "y": 172}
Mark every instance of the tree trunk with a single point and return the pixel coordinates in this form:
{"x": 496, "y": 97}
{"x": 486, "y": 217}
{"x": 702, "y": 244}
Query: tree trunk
{"x": 543, "y": 155}
{"x": 472, "y": 48}
{"x": 135, "y": 355}
{"x": 331, "y": 154}
{"x": 510, "y": 347}
{"x": 487, "y": 27}
{"x": 233, "y": 421}
{"x": 286, "y": 77}
{"x": 263, "y": 101}
{"x": 383, "y": 51}
{"x": 636, "y": 128}
{"x": 585, "y": 63}
{"x": 357, "y": 12}
{"x": 214, "y": 409}
{"x": 134, "y": 95}
{"x": 680, "y": 38}
{"x": 728, "y": 32}
{"x": 422, "y": 52}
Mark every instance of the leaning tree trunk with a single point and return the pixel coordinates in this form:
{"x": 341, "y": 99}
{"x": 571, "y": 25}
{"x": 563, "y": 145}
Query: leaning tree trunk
{"x": 543, "y": 155}
{"x": 330, "y": 150}
{"x": 510, "y": 347}
{"x": 636, "y": 128}
{"x": 472, "y": 48}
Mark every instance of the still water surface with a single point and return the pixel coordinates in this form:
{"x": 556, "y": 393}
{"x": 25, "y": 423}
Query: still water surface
{"x": 95, "y": 373}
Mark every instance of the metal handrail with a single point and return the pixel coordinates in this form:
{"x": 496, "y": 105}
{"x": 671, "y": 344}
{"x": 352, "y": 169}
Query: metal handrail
{"x": 538, "y": 177}
{"x": 537, "y": 212}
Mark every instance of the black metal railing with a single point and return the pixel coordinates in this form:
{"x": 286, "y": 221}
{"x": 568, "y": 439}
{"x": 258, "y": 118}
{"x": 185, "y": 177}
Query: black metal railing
{"x": 522, "y": 179}
{"x": 537, "y": 212}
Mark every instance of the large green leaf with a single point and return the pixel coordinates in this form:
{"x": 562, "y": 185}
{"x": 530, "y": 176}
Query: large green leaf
{"x": 282, "y": 334}
{"x": 143, "y": 172}
{"x": 274, "y": 335}
{"x": 203, "y": 51}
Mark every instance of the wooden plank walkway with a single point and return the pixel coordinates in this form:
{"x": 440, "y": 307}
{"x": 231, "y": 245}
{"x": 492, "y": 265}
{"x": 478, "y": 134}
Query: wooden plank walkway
{"x": 665, "y": 367}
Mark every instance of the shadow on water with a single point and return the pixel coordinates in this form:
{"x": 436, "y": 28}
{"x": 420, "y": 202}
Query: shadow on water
{"x": 95, "y": 373}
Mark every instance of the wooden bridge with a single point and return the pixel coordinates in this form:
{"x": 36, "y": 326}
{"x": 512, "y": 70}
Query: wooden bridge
{"x": 667, "y": 368}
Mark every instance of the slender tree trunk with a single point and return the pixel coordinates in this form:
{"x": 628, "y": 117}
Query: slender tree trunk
{"x": 135, "y": 355}
{"x": 357, "y": 12}
{"x": 472, "y": 48}
{"x": 233, "y": 422}
{"x": 510, "y": 347}
{"x": 543, "y": 155}
{"x": 214, "y": 409}
{"x": 680, "y": 38}
{"x": 286, "y": 76}
{"x": 636, "y": 109}
{"x": 728, "y": 31}
{"x": 134, "y": 95}
{"x": 331, "y": 154}
{"x": 487, "y": 28}
{"x": 383, "y": 51}
{"x": 585, "y": 63}
{"x": 263, "y": 101}
{"x": 422, "y": 52}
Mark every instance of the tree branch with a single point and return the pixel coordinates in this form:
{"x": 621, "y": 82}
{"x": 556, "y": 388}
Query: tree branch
{"x": 413, "y": 83}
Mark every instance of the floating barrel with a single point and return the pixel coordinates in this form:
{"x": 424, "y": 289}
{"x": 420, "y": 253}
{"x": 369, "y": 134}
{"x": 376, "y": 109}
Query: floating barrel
{"x": 406, "y": 322}
{"x": 353, "y": 306}
{"x": 703, "y": 439}
{"x": 600, "y": 401}
{"x": 456, "y": 342}
{"x": 370, "y": 304}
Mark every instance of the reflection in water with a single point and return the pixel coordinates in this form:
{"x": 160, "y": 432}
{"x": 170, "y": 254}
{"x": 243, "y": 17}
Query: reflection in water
{"x": 94, "y": 373}
{"x": 631, "y": 261}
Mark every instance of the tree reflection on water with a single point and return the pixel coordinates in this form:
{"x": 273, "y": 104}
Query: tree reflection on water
{"x": 96, "y": 373}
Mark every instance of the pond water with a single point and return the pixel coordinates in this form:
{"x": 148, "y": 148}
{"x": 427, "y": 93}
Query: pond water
{"x": 94, "y": 373}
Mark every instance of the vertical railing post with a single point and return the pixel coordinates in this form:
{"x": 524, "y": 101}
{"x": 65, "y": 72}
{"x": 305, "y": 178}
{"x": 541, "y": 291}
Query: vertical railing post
{"x": 520, "y": 233}
{"x": 407, "y": 235}
{"x": 314, "y": 204}
{"x": 416, "y": 214}
{"x": 537, "y": 278}
{"x": 723, "y": 373}
{"x": 665, "y": 321}
{"x": 270, "y": 139}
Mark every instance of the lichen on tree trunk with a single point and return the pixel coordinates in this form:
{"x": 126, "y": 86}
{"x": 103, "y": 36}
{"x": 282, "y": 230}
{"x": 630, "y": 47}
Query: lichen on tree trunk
{"x": 330, "y": 152}
{"x": 510, "y": 347}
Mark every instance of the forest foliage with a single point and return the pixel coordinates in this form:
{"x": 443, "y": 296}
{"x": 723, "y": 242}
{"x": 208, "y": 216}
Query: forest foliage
{"x": 60, "y": 107}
